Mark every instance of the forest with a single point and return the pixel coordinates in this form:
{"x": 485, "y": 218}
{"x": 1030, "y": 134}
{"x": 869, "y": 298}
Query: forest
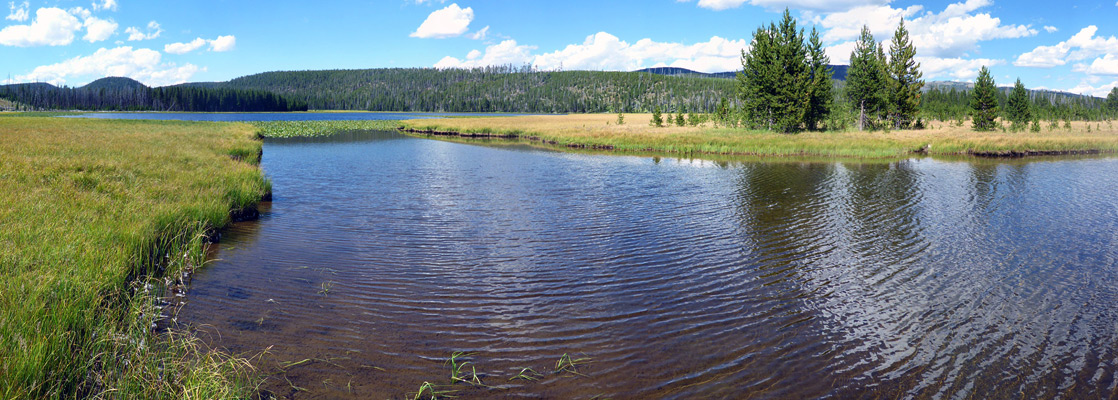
{"x": 123, "y": 94}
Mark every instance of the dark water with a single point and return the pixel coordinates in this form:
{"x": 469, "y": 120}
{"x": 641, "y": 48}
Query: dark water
{"x": 382, "y": 254}
{"x": 271, "y": 116}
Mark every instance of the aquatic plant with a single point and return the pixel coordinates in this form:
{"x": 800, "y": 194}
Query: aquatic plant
{"x": 568, "y": 364}
{"x": 289, "y": 129}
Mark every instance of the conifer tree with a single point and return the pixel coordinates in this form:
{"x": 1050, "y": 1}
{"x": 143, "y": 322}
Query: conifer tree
{"x": 679, "y": 118}
{"x": 1017, "y": 107}
{"x": 905, "y": 79}
{"x": 755, "y": 82}
{"x": 820, "y": 96}
{"x": 865, "y": 80}
{"x": 1112, "y": 100}
{"x": 774, "y": 84}
{"x": 657, "y": 119}
{"x": 984, "y": 101}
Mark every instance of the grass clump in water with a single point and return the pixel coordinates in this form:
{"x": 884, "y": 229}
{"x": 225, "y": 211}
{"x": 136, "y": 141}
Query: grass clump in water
{"x": 290, "y": 129}
{"x": 95, "y": 217}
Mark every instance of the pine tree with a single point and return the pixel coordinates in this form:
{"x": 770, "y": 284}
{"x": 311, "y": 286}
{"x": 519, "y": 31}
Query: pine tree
{"x": 657, "y": 119}
{"x": 774, "y": 81}
{"x": 1112, "y": 100}
{"x": 1017, "y": 107}
{"x": 679, "y": 118}
{"x": 984, "y": 101}
{"x": 905, "y": 82}
{"x": 820, "y": 96}
{"x": 865, "y": 81}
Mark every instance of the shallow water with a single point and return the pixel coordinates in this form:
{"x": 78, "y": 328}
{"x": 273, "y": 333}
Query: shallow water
{"x": 381, "y": 254}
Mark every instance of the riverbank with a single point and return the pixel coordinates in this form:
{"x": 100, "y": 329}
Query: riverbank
{"x": 601, "y": 132}
{"x": 97, "y": 216}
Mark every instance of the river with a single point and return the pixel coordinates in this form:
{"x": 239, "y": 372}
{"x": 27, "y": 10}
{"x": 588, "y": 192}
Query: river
{"x": 380, "y": 255}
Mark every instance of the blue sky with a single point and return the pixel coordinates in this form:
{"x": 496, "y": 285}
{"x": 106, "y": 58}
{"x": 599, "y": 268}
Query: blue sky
{"x": 1070, "y": 46}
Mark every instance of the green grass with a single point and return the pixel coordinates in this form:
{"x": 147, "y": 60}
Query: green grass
{"x": 289, "y": 129}
{"x": 598, "y": 131}
{"x": 95, "y": 217}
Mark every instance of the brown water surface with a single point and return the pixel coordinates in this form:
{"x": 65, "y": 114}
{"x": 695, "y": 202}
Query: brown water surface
{"x": 381, "y": 255}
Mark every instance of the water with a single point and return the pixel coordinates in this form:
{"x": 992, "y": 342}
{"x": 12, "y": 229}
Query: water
{"x": 381, "y": 254}
{"x": 271, "y": 116}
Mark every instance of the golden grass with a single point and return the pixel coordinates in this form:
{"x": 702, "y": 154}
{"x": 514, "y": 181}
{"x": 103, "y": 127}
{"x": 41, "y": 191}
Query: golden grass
{"x": 637, "y": 136}
{"x": 90, "y": 212}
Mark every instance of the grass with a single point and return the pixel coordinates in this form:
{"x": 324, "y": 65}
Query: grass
{"x": 95, "y": 217}
{"x": 289, "y": 129}
{"x": 601, "y": 131}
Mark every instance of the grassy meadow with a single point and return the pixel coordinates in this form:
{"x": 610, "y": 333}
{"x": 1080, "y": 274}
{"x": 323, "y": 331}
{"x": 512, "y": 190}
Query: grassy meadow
{"x": 95, "y": 217}
{"x": 635, "y": 135}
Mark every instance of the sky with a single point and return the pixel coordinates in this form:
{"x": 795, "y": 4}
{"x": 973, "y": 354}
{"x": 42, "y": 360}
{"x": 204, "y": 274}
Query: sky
{"x": 1058, "y": 45}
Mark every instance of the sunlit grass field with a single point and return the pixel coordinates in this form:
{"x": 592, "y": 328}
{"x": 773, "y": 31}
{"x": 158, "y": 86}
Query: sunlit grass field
{"x": 93, "y": 213}
{"x": 636, "y": 135}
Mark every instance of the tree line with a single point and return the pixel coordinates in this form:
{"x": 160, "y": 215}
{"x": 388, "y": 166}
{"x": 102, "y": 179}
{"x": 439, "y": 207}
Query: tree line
{"x": 785, "y": 86}
{"x": 141, "y": 98}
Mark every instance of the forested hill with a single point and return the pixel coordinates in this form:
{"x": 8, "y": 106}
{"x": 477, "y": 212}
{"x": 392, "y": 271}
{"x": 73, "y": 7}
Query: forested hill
{"x": 491, "y": 89}
{"x": 124, "y": 94}
{"x": 838, "y": 72}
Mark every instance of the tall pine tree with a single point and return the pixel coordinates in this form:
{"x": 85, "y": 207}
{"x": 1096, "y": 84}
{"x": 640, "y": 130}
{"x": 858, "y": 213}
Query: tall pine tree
{"x": 984, "y": 101}
{"x": 755, "y": 82}
{"x": 1112, "y": 100}
{"x": 820, "y": 96}
{"x": 1017, "y": 106}
{"x": 905, "y": 79}
{"x": 865, "y": 80}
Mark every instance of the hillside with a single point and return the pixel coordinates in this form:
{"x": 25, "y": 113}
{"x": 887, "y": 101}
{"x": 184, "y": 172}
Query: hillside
{"x": 115, "y": 83}
{"x": 492, "y": 89}
{"x": 838, "y": 72}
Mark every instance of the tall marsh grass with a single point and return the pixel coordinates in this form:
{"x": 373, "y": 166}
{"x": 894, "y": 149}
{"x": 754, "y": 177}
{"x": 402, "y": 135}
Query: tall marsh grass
{"x": 95, "y": 217}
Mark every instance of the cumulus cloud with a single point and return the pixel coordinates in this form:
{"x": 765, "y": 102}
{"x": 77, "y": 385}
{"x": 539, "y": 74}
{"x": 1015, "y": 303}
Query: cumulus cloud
{"x": 144, "y": 65}
{"x": 1086, "y": 88}
{"x": 18, "y": 13}
{"x": 105, "y": 5}
{"x": 183, "y": 48}
{"x": 506, "y": 52}
{"x": 1105, "y": 65}
{"x": 823, "y": 5}
{"x": 951, "y": 33}
{"x": 221, "y": 44}
{"x": 448, "y": 22}
{"x": 604, "y": 51}
{"x": 135, "y": 34}
{"x": 1080, "y": 46}
{"x": 1050, "y": 29}
{"x": 50, "y": 27}
{"x": 97, "y": 29}
{"x": 955, "y": 68}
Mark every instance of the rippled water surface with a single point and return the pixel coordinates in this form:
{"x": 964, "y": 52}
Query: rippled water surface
{"x": 381, "y": 255}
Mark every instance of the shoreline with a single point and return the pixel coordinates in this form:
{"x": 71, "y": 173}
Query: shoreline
{"x": 554, "y": 144}
{"x": 602, "y": 132}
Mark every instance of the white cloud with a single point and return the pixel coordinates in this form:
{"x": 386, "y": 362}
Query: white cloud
{"x": 183, "y": 48}
{"x": 480, "y": 34}
{"x": 955, "y": 68}
{"x": 51, "y": 27}
{"x": 603, "y": 51}
{"x": 506, "y": 52}
{"x": 822, "y": 5}
{"x": 428, "y": 1}
{"x": 144, "y": 65}
{"x": 223, "y": 43}
{"x": 1105, "y": 65}
{"x": 105, "y": 5}
{"x": 18, "y": 13}
{"x": 1079, "y": 47}
{"x": 134, "y": 33}
{"x": 1050, "y": 29}
{"x": 1085, "y": 88}
{"x": 448, "y": 22}
{"x": 97, "y": 29}
{"x": 840, "y": 53}
{"x": 952, "y": 33}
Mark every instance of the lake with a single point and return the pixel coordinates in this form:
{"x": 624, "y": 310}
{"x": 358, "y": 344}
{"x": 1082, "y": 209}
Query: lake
{"x": 380, "y": 255}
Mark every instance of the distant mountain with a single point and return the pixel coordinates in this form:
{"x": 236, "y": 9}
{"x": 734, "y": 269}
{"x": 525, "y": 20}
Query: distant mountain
{"x": 114, "y": 83}
{"x": 838, "y": 72}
